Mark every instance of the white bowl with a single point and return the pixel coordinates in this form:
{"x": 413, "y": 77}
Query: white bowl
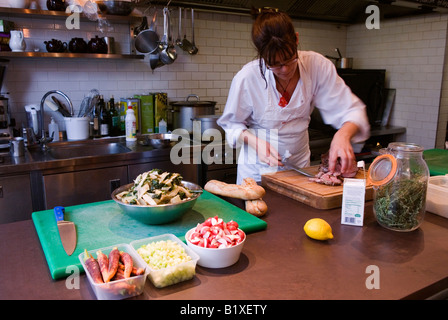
{"x": 216, "y": 257}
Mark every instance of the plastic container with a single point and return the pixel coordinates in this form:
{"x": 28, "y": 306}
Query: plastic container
{"x": 216, "y": 257}
{"x": 118, "y": 289}
{"x": 437, "y": 195}
{"x": 173, "y": 274}
{"x": 77, "y": 128}
{"x": 162, "y": 126}
{"x": 130, "y": 125}
{"x": 53, "y": 130}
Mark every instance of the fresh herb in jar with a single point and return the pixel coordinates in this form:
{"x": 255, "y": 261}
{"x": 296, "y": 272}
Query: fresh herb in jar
{"x": 400, "y": 205}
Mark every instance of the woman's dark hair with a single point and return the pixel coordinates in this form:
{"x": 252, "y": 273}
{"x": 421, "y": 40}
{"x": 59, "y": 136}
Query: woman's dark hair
{"x": 273, "y": 35}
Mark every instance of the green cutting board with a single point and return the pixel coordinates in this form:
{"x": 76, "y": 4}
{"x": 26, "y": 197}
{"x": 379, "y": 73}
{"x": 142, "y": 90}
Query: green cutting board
{"x": 437, "y": 161}
{"x": 102, "y": 224}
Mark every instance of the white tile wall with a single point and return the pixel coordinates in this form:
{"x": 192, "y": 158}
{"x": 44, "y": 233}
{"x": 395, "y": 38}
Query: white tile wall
{"x": 224, "y": 47}
{"x": 412, "y": 50}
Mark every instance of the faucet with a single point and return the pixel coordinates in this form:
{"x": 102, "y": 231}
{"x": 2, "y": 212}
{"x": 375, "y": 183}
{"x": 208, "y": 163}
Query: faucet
{"x": 44, "y": 140}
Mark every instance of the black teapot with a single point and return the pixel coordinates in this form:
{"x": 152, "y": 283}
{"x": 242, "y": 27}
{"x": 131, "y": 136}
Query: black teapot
{"x": 97, "y": 45}
{"x": 55, "y": 45}
{"x": 77, "y": 45}
{"x": 56, "y": 5}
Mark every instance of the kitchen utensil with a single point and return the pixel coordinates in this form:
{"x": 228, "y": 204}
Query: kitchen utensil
{"x": 67, "y": 230}
{"x": 193, "y": 49}
{"x": 170, "y": 274}
{"x": 77, "y": 128}
{"x": 17, "y": 41}
{"x": 301, "y": 171}
{"x": 117, "y": 289}
{"x": 168, "y": 53}
{"x": 203, "y": 123}
{"x": 61, "y": 107}
{"x": 33, "y": 118}
{"x": 186, "y": 45}
{"x": 17, "y": 147}
{"x": 161, "y": 140}
{"x": 56, "y": 5}
{"x": 143, "y": 26}
{"x": 184, "y": 111}
{"x": 399, "y": 177}
{"x": 160, "y": 214}
{"x": 55, "y": 45}
{"x": 179, "y": 26}
{"x": 119, "y": 8}
{"x": 147, "y": 40}
{"x": 154, "y": 60}
{"x": 216, "y": 257}
{"x": 110, "y": 42}
{"x": 300, "y": 188}
{"x": 77, "y": 45}
{"x": 97, "y": 45}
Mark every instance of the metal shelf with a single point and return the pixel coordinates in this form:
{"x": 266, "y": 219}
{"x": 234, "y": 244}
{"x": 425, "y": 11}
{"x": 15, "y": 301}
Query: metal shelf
{"x": 14, "y": 12}
{"x": 30, "y": 54}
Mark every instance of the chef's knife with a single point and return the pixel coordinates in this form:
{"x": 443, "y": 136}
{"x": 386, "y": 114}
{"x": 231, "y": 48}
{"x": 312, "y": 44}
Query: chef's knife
{"x": 301, "y": 171}
{"x": 67, "y": 230}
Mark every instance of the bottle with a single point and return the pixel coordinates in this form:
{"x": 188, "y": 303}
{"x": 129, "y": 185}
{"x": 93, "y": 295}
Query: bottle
{"x": 96, "y": 133}
{"x": 103, "y": 118}
{"x": 130, "y": 125}
{"x": 114, "y": 118}
{"x": 53, "y": 130}
{"x": 162, "y": 126}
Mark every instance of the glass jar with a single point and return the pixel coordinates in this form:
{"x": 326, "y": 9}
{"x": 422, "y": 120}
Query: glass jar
{"x": 400, "y": 180}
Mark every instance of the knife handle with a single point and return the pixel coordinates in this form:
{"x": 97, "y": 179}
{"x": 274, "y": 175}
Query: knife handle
{"x": 59, "y": 213}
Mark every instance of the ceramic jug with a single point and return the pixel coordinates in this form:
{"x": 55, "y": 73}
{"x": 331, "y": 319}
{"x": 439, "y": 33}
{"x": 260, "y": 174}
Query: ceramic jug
{"x": 17, "y": 41}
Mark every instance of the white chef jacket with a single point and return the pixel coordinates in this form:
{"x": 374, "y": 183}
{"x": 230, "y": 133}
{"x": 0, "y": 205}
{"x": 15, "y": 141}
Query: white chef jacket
{"x": 251, "y": 105}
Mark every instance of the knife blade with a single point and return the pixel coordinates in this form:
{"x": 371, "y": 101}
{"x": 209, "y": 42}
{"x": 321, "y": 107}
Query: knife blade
{"x": 67, "y": 230}
{"x": 301, "y": 171}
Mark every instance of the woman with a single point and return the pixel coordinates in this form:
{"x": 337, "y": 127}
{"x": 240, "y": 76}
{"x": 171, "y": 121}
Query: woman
{"x": 271, "y": 99}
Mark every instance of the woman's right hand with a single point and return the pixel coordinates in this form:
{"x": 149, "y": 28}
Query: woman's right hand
{"x": 265, "y": 151}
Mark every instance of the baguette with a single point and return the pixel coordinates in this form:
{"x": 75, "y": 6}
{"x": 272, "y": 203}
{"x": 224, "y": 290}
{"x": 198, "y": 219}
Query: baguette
{"x": 249, "y": 190}
{"x": 256, "y": 207}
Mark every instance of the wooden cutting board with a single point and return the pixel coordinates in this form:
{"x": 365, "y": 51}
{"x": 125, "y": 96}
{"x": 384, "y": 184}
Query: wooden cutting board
{"x": 296, "y": 186}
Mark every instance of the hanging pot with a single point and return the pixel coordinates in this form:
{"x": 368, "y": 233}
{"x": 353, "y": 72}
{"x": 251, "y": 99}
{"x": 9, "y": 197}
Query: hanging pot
{"x": 184, "y": 111}
{"x": 147, "y": 41}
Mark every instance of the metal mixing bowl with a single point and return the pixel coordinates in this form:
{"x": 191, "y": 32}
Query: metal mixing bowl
{"x": 119, "y": 8}
{"x": 160, "y": 214}
{"x": 161, "y": 140}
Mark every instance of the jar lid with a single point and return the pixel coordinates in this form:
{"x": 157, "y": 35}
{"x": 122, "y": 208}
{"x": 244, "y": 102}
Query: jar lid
{"x": 382, "y": 170}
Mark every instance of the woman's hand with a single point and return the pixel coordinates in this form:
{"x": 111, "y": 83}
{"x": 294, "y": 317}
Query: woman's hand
{"x": 265, "y": 151}
{"x": 342, "y": 148}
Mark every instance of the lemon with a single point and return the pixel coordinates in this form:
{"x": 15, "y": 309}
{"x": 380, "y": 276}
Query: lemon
{"x": 318, "y": 229}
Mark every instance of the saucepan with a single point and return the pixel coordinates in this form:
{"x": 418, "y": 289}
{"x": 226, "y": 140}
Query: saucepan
{"x": 147, "y": 41}
{"x": 341, "y": 62}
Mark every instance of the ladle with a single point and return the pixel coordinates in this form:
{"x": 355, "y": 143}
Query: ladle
{"x": 179, "y": 38}
{"x": 186, "y": 45}
{"x": 168, "y": 54}
{"x": 193, "y": 49}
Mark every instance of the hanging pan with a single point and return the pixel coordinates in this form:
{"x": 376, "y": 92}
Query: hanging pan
{"x": 147, "y": 41}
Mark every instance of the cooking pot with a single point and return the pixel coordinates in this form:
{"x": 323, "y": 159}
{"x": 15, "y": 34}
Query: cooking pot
{"x": 184, "y": 111}
{"x": 206, "y": 122}
{"x": 344, "y": 63}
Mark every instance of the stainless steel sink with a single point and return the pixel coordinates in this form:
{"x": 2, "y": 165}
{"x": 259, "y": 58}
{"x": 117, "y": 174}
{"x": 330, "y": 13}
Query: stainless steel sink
{"x": 87, "y": 150}
{"x": 69, "y": 150}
